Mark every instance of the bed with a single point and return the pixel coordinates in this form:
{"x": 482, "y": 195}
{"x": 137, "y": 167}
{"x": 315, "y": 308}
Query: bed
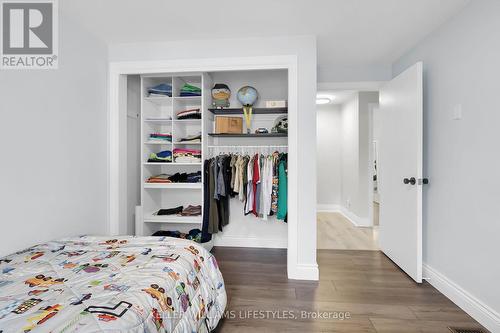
{"x": 127, "y": 284}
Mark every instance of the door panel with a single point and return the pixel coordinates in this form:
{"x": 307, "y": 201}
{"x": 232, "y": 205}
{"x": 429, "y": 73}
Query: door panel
{"x": 400, "y": 156}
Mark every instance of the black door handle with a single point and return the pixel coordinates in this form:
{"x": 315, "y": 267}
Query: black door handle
{"x": 411, "y": 181}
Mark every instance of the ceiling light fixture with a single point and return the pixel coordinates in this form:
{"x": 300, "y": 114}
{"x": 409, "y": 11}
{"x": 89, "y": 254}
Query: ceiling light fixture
{"x": 323, "y": 100}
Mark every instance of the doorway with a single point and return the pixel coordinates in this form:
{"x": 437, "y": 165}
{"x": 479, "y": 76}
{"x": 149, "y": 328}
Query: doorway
{"x": 347, "y": 170}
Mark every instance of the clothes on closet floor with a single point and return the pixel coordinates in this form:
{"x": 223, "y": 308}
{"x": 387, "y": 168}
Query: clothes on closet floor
{"x": 188, "y": 90}
{"x": 161, "y": 157}
{"x": 182, "y": 155}
{"x": 259, "y": 181}
{"x": 193, "y": 234}
{"x": 196, "y": 138}
{"x": 160, "y": 90}
{"x": 190, "y": 210}
{"x": 193, "y": 177}
{"x": 160, "y": 137}
{"x": 189, "y": 114}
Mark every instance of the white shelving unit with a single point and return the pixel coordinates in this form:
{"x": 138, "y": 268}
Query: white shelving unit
{"x": 158, "y": 114}
{"x": 196, "y": 186}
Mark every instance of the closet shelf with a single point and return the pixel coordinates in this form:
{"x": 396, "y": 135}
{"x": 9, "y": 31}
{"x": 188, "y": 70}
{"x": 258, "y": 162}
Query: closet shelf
{"x": 254, "y": 111}
{"x": 187, "y": 143}
{"x": 151, "y": 218}
{"x": 159, "y": 100}
{"x": 170, "y": 163}
{"x": 187, "y": 121}
{"x": 157, "y": 120}
{"x": 188, "y": 98}
{"x": 251, "y": 135}
{"x": 157, "y": 143}
{"x": 194, "y": 186}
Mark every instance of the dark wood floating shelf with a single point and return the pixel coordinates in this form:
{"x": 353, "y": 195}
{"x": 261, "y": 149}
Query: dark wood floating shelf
{"x": 252, "y": 135}
{"x": 254, "y": 111}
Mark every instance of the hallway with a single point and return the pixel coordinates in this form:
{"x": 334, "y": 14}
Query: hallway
{"x": 336, "y": 232}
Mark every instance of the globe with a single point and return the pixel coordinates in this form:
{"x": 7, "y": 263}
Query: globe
{"x": 247, "y": 96}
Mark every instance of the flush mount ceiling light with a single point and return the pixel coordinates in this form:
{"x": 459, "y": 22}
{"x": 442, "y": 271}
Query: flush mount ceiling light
{"x": 323, "y": 100}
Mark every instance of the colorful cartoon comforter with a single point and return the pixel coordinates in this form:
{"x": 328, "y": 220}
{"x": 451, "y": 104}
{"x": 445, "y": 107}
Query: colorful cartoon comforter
{"x": 128, "y": 284}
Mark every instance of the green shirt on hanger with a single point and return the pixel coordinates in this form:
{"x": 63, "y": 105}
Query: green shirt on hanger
{"x": 282, "y": 191}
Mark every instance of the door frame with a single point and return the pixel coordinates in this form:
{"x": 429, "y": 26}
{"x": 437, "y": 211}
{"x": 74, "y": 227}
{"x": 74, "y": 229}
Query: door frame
{"x": 358, "y": 86}
{"x": 372, "y": 107}
{"x": 117, "y": 133}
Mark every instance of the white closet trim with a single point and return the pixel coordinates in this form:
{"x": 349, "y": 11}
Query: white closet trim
{"x": 117, "y": 189}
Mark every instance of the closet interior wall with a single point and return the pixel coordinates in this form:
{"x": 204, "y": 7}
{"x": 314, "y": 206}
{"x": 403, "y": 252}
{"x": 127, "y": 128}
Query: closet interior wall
{"x": 249, "y": 230}
{"x": 133, "y": 152}
{"x": 245, "y": 231}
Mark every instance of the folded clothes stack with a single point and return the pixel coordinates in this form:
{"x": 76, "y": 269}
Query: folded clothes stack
{"x": 196, "y": 138}
{"x": 194, "y": 234}
{"x": 170, "y": 211}
{"x": 193, "y": 177}
{"x": 160, "y": 137}
{"x": 161, "y": 157}
{"x": 180, "y": 211}
{"x": 191, "y": 211}
{"x": 160, "y": 90}
{"x": 159, "y": 179}
{"x": 189, "y": 114}
{"x": 182, "y": 155}
{"x": 188, "y": 90}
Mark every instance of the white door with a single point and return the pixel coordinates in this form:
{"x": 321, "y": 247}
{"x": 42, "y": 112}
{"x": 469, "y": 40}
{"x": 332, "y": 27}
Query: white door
{"x": 400, "y": 170}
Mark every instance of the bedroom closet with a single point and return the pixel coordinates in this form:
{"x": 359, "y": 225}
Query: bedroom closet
{"x": 190, "y": 123}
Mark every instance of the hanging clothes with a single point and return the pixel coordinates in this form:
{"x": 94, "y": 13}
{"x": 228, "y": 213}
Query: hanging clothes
{"x": 274, "y": 195}
{"x": 256, "y": 185}
{"x": 258, "y": 181}
{"x": 267, "y": 184}
{"x": 282, "y": 190}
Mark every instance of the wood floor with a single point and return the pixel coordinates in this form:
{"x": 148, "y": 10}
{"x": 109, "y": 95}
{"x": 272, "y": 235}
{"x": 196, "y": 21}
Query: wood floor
{"x": 363, "y": 287}
{"x": 338, "y": 233}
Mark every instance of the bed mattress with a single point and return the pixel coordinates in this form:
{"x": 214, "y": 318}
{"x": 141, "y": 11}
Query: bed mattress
{"x": 96, "y": 284}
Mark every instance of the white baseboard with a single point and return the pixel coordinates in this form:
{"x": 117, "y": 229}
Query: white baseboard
{"x": 304, "y": 272}
{"x": 330, "y": 208}
{"x": 355, "y": 219}
{"x": 481, "y": 312}
{"x": 334, "y": 208}
{"x": 224, "y": 240}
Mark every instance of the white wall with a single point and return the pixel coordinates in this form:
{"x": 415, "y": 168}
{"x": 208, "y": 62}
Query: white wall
{"x": 365, "y": 173}
{"x": 133, "y": 153}
{"x": 270, "y": 84}
{"x": 53, "y": 144}
{"x": 304, "y": 48}
{"x": 461, "y": 157}
{"x": 248, "y": 230}
{"x": 328, "y": 152}
{"x": 355, "y": 152}
{"x": 350, "y": 155}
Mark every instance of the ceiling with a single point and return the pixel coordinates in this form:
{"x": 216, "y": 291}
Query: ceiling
{"x": 350, "y": 33}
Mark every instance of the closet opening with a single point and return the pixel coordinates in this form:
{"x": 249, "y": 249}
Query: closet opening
{"x": 207, "y": 157}
{"x": 347, "y": 188}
